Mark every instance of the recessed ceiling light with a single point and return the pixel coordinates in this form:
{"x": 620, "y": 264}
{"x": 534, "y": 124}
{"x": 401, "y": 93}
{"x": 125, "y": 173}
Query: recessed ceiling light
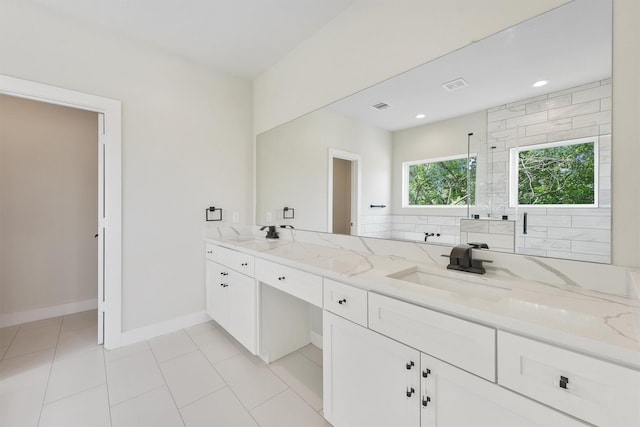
{"x": 420, "y": 116}
{"x": 540, "y": 83}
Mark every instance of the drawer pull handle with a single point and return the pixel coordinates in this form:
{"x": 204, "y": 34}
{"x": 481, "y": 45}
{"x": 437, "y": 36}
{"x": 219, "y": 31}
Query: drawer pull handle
{"x": 410, "y": 391}
{"x": 224, "y": 285}
{"x": 425, "y": 374}
{"x": 342, "y": 301}
{"x": 224, "y": 273}
{"x": 410, "y": 365}
{"x": 563, "y": 382}
{"x": 281, "y": 278}
{"x": 209, "y": 252}
{"x": 425, "y": 401}
{"x": 244, "y": 264}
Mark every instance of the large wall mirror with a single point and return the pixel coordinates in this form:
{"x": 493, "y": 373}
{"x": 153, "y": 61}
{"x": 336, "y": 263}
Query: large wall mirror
{"x": 506, "y": 141}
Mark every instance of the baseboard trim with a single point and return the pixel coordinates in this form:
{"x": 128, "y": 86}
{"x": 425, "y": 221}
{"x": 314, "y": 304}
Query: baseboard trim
{"x": 147, "y": 332}
{"x": 11, "y": 319}
{"x": 316, "y": 339}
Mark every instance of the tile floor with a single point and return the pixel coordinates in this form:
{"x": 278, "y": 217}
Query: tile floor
{"x": 53, "y": 374}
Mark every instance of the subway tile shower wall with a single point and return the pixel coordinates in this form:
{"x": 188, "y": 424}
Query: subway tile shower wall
{"x": 563, "y": 232}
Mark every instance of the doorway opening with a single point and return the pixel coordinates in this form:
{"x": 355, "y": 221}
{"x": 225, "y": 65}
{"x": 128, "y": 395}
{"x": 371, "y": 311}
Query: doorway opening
{"x": 109, "y": 189}
{"x": 343, "y": 192}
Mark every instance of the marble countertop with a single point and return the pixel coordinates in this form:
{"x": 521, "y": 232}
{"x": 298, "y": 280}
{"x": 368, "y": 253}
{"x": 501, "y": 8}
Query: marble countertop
{"x": 600, "y": 324}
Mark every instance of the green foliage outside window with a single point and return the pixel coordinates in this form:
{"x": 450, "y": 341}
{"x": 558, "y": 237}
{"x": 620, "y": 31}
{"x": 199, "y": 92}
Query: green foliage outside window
{"x": 442, "y": 183}
{"x": 562, "y": 175}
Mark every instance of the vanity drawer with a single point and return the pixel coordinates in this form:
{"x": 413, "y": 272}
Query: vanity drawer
{"x": 300, "y": 284}
{"x": 591, "y": 389}
{"x": 346, "y": 301}
{"x": 235, "y": 260}
{"x": 461, "y": 343}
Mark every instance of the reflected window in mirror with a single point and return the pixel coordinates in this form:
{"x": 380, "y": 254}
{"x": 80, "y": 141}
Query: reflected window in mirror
{"x": 445, "y": 181}
{"x": 558, "y": 174}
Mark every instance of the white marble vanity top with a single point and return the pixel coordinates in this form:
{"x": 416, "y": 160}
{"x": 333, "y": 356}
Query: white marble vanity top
{"x": 554, "y": 307}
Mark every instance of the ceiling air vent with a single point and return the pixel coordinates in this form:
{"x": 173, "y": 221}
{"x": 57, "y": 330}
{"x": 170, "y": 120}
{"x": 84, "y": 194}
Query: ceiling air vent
{"x": 455, "y": 84}
{"x": 381, "y": 106}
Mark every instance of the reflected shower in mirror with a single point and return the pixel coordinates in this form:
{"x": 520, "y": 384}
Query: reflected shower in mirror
{"x": 395, "y": 161}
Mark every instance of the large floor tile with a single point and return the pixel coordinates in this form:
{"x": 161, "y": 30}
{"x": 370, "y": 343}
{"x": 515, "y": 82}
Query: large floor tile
{"x": 221, "y": 408}
{"x": 152, "y": 409}
{"x": 23, "y": 380}
{"x": 76, "y": 373}
{"x": 201, "y": 328}
{"x": 287, "y": 410}
{"x": 73, "y": 341}
{"x": 26, "y": 371}
{"x": 21, "y": 408}
{"x": 89, "y": 408}
{"x": 34, "y": 339}
{"x": 132, "y": 375}
{"x": 302, "y": 375}
{"x": 81, "y": 320}
{"x": 313, "y": 353}
{"x": 7, "y": 334}
{"x": 190, "y": 377}
{"x": 126, "y": 351}
{"x": 250, "y": 379}
{"x": 217, "y": 345}
{"x": 53, "y": 321}
{"x": 167, "y": 347}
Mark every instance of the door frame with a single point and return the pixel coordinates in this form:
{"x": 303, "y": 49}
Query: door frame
{"x": 109, "y": 195}
{"x": 356, "y": 179}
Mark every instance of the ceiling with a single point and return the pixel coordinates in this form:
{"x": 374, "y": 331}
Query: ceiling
{"x": 240, "y": 37}
{"x": 568, "y": 46}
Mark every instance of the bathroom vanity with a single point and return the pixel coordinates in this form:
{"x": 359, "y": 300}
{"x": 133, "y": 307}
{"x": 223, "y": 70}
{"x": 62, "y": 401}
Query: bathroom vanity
{"x": 407, "y": 342}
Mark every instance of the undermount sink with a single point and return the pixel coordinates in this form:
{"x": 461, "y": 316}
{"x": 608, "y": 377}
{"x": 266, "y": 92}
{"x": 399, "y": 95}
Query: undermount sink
{"x": 473, "y": 287}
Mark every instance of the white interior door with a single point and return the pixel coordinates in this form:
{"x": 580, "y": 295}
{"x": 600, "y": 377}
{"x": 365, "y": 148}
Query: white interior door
{"x": 101, "y": 228}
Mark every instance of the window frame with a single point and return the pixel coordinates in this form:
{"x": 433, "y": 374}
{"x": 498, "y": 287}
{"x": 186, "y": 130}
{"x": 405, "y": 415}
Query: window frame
{"x": 405, "y": 179}
{"x": 514, "y": 169}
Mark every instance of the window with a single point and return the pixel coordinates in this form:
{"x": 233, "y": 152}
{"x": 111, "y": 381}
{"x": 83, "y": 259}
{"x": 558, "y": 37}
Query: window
{"x": 446, "y": 181}
{"x": 556, "y": 174}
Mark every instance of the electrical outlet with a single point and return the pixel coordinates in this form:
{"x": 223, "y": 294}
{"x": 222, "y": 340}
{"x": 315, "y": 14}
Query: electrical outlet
{"x": 236, "y": 217}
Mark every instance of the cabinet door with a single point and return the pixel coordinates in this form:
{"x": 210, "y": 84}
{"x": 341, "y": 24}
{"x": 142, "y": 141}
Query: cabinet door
{"x": 452, "y": 397}
{"x": 369, "y": 380}
{"x": 216, "y": 291}
{"x": 241, "y": 309}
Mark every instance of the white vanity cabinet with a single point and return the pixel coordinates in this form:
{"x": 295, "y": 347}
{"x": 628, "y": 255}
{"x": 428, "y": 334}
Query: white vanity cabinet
{"x": 369, "y": 380}
{"x": 462, "y": 343}
{"x": 375, "y": 380}
{"x": 451, "y": 397}
{"x": 596, "y": 391}
{"x": 231, "y": 295}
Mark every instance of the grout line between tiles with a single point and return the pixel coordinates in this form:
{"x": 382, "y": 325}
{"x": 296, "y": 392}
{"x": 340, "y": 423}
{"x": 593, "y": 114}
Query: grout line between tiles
{"x": 167, "y": 384}
{"x": 225, "y": 381}
{"x": 53, "y": 357}
{"x": 291, "y": 388}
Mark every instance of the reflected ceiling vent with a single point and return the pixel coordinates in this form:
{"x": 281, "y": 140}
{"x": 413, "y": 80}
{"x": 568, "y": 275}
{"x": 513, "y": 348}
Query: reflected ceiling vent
{"x": 455, "y": 84}
{"x": 381, "y": 106}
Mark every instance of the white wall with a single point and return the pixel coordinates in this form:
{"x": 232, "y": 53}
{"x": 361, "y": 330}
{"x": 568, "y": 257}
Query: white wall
{"x": 187, "y": 144}
{"x": 373, "y": 41}
{"x": 48, "y": 206}
{"x": 303, "y": 185}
